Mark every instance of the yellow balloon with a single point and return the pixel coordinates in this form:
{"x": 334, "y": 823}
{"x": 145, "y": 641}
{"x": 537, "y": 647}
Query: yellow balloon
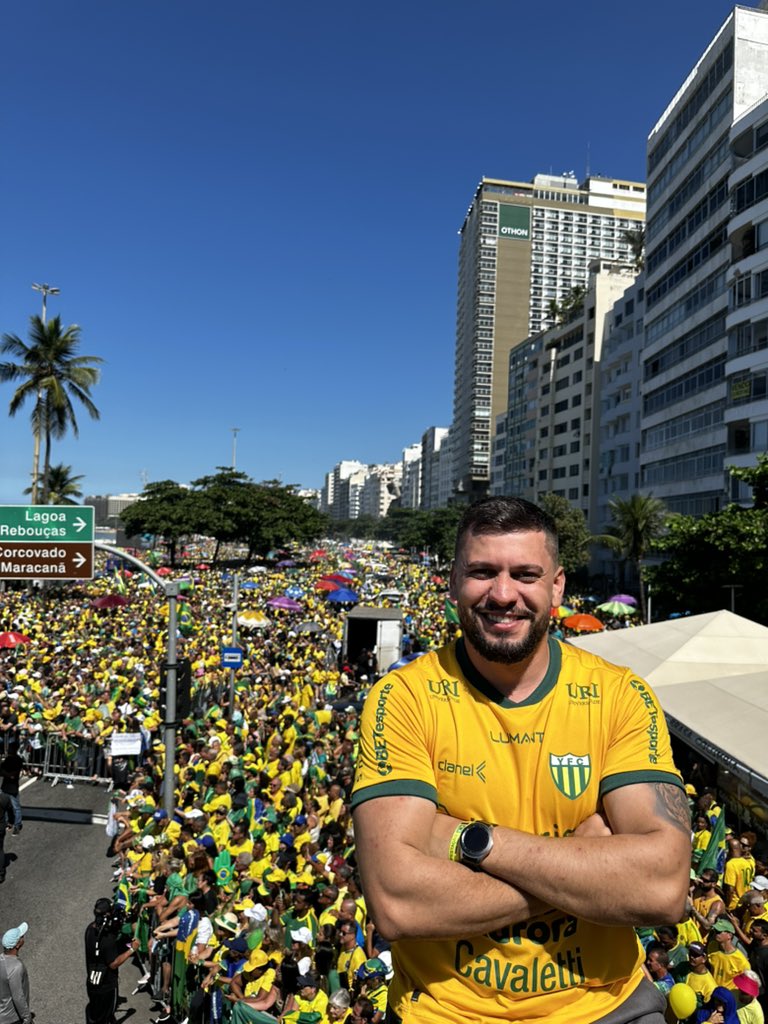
{"x": 682, "y": 1000}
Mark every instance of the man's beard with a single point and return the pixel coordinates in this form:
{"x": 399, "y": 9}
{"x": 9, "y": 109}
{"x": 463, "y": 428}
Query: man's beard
{"x": 499, "y": 649}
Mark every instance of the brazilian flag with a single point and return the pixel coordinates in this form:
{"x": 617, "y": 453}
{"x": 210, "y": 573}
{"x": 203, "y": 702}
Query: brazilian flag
{"x": 186, "y": 625}
{"x": 451, "y": 615}
{"x": 223, "y": 868}
{"x": 714, "y": 854}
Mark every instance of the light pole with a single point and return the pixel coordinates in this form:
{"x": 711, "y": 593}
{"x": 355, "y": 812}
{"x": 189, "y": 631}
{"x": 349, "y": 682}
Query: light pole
{"x": 235, "y": 432}
{"x": 46, "y": 289}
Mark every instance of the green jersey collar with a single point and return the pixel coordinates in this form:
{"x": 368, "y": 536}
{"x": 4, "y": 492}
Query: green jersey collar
{"x": 488, "y": 690}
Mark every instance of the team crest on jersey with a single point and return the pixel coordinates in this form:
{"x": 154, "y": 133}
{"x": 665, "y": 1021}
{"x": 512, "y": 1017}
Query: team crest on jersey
{"x": 571, "y": 773}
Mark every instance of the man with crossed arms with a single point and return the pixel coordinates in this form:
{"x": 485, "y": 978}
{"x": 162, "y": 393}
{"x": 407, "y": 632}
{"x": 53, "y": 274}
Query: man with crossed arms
{"x": 510, "y": 790}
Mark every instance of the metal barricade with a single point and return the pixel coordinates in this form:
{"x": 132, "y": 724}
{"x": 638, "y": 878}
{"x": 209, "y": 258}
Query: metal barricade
{"x": 75, "y": 761}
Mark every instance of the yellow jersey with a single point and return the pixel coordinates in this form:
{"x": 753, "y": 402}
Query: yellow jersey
{"x": 438, "y": 730}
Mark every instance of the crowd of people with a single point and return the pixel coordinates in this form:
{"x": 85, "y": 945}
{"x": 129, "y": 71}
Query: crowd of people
{"x": 245, "y": 903}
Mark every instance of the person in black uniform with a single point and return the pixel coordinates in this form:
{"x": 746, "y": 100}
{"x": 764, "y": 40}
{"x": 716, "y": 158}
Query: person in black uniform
{"x": 105, "y": 952}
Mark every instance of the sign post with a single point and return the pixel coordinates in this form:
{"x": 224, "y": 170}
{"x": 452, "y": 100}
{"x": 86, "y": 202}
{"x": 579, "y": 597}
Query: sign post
{"x": 46, "y": 542}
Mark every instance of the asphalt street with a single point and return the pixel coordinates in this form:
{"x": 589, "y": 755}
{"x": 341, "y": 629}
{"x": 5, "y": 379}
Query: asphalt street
{"x": 58, "y": 869}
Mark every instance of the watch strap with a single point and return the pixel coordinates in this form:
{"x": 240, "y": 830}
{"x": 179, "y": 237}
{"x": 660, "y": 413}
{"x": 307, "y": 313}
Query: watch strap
{"x": 454, "y": 851}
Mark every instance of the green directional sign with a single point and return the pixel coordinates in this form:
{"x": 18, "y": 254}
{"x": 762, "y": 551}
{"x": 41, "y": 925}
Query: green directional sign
{"x": 50, "y": 542}
{"x": 46, "y": 523}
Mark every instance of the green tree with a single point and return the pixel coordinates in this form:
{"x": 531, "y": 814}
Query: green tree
{"x": 279, "y": 516}
{"x": 575, "y": 538}
{"x": 167, "y": 510}
{"x": 52, "y": 374}
{"x": 226, "y": 501}
{"x": 63, "y": 488}
{"x": 756, "y": 477}
{"x": 638, "y": 521}
{"x": 705, "y": 556}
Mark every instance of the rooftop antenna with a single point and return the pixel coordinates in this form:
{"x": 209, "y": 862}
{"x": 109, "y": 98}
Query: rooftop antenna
{"x": 586, "y": 174}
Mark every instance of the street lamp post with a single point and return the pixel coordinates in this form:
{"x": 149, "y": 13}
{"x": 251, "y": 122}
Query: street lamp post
{"x": 46, "y": 289}
{"x": 235, "y": 432}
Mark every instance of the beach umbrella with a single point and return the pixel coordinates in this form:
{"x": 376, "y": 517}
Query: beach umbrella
{"x": 164, "y": 571}
{"x": 561, "y": 611}
{"x": 343, "y": 597}
{"x": 285, "y": 604}
{"x": 616, "y": 608}
{"x": 582, "y": 623}
{"x": 329, "y": 585}
{"x": 309, "y": 627}
{"x": 13, "y": 639}
{"x": 253, "y": 620}
{"x": 109, "y": 601}
{"x": 624, "y": 598}
{"x": 294, "y": 592}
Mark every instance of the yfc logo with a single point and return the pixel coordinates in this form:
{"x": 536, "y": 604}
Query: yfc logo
{"x": 571, "y": 773}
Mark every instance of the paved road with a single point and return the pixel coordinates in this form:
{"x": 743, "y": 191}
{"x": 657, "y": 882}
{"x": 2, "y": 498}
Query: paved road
{"x": 58, "y": 872}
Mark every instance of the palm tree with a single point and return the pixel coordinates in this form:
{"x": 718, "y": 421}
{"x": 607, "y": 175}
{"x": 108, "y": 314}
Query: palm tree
{"x": 635, "y": 238}
{"x": 63, "y": 488}
{"x": 51, "y": 372}
{"x": 638, "y": 521}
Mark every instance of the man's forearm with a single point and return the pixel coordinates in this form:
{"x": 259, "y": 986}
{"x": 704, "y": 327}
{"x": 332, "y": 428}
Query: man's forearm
{"x": 594, "y": 878}
{"x": 439, "y": 899}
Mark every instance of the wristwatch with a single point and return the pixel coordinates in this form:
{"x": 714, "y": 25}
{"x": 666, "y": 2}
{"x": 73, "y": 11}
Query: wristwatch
{"x": 475, "y": 843}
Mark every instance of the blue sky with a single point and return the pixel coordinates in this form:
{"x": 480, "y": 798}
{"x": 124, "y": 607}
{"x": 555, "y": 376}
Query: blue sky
{"x": 251, "y": 209}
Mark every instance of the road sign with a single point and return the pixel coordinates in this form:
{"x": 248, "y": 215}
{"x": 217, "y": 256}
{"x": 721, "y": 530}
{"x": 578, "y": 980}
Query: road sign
{"x": 231, "y": 657}
{"x": 50, "y": 542}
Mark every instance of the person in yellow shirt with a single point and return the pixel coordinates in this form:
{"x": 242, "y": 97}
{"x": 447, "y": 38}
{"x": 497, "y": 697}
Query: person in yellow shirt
{"x": 738, "y": 874}
{"x": 699, "y": 977}
{"x": 219, "y": 827}
{"x": 351, "y": 955}
{"x": 240, "y": 841}
{"x": 726, "y": 961}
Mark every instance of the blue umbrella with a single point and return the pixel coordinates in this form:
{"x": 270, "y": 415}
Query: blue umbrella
{"x": 343, "y": 597}
{"x": 295, "y": 592}
{"x": 249, "y": 585}
{"x": 404, "y": 661}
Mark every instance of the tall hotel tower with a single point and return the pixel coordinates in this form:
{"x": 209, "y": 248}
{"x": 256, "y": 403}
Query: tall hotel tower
{"x": 523, "y": 245}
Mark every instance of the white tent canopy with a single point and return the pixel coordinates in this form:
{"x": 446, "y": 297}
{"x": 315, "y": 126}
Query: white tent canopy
{"x": 710, "y": 673}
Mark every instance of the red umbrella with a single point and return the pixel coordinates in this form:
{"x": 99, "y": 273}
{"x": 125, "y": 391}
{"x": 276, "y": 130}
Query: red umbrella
{"x": 327, "y": 585}
{"x": 13, "y": 639}
{"x": 164, "y": 571}
{"x": 202, "y": 566}
{"x": 582, "y": 623}
{"x": 109, "y": 601}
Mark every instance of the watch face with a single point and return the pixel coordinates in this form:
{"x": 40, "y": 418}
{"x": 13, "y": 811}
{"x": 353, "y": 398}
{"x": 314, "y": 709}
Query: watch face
{"x": 475, "y": 840}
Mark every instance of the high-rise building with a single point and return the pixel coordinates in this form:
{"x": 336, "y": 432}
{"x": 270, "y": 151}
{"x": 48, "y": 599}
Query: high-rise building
{"x": 746, "y": 369}
{"x": 410, "y": 495}
{"x": 523, "y": 248}
{"x": 549, "y": 442}
{"x": 338, "y": 498}
{"x": 381, "y": 488}
{"x": 694, "y": 295}
{"x": 431, "y": 451}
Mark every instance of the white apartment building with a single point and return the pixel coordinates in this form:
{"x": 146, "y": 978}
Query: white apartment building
{"x": 620, "y": 404}
{"x": 687, "y": 366}
{"x": 410, "y": 495}
{"x": 381, "y": 488}
{"x": 746, "y": 368}
{"x": 432, "y": 457}
{"x": 550, "y": 441}
{"x": 522, "y": 246}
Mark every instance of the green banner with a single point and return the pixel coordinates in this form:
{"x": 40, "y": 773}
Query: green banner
{"x": 514, "y": 222}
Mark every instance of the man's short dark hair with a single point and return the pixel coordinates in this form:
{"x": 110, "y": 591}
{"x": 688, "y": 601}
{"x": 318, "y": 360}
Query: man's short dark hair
{"x": 507, "y": 515}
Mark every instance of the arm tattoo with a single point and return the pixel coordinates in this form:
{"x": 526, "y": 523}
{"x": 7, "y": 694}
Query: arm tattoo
{"x": 672, "y": 806}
